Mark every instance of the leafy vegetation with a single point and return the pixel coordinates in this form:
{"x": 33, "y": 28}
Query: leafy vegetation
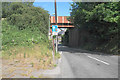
{"x": 25, "y": 35}
{"x": 24, "y": 26}
{"x": 100, "y": 21}
{"x": 12, "y": 36}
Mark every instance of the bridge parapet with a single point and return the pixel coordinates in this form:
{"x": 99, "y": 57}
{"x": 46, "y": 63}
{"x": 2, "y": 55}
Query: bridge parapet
{"x": 62, "y": 21}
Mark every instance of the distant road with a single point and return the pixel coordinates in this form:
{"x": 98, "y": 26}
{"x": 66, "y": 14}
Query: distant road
{"x": 81, "y": 64}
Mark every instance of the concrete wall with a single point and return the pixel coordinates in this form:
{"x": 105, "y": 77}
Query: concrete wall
{"x": 78, "y": 38}
{"x": 73, "y": 37}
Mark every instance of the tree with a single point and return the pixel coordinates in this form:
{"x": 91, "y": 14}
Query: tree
{"x": 9, "y": 8}
{"x": 24, "y": 25}
{"x": 100, "y": 19}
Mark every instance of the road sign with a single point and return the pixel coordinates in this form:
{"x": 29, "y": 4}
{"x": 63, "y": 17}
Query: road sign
{"x": 54, "y": 30}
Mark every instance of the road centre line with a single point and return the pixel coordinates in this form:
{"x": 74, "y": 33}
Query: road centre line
{"x": 98, "y": 60}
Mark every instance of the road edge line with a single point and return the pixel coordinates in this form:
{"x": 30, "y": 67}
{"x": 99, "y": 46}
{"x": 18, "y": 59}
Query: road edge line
{"x": 98, "y": 60}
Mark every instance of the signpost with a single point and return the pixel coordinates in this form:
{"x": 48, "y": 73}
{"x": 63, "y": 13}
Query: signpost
{"x": 54, "y": 33}
{"x": 54, "y": 30}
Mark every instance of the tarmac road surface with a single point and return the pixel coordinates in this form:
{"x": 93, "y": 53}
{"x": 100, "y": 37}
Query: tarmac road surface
{"x": 82, "y": 64}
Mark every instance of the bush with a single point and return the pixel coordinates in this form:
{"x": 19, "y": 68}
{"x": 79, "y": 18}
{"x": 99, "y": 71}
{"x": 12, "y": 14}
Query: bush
{"x": 100, "y": 21}
{"x": 24, "y": 26}
{"x": 12, "y": 36}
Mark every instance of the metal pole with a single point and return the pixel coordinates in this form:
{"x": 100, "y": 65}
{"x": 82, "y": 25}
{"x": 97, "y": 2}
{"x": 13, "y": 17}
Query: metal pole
{"x": 53, "y": 51}
{"x": 56, "y": 43}
{"x": 49, "y": 28}
{"x": 56, "y": 24}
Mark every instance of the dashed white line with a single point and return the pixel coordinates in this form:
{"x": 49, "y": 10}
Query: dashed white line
{"x": 99, "y": 60}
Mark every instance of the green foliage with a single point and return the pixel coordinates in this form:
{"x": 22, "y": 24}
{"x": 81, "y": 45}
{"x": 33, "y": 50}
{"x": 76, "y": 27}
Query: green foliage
{"x": 12, "y": 36}
{"x": 24, "y": 17}
{"x": 25, "y": 25}
{"x": 100, "y": 20}
{"x": 9, "y": 8}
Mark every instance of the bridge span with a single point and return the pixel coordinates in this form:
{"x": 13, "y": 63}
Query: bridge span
{"x": 62, "y": 22}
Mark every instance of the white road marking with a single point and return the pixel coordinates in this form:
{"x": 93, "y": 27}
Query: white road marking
{"x": 99, "y": 60}
{"x": 60, "y": 52}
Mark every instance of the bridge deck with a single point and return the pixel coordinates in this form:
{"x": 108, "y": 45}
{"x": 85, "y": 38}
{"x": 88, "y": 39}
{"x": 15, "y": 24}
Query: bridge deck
{"x": 61, "y": 21}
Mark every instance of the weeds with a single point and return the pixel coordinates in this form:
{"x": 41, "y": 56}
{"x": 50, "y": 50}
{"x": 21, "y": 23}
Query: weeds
{"x": 32, "y": 64}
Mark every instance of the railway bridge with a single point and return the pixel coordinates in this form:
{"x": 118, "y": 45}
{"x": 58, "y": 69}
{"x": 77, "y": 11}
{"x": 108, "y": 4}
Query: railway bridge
{"x": 62, "y": 22}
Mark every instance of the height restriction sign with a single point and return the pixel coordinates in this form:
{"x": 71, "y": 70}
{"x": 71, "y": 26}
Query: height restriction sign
{"x": 54, "y": 29}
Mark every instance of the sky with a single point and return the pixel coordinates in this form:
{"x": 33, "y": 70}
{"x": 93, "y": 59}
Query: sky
{"x": 63, "y": 8}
